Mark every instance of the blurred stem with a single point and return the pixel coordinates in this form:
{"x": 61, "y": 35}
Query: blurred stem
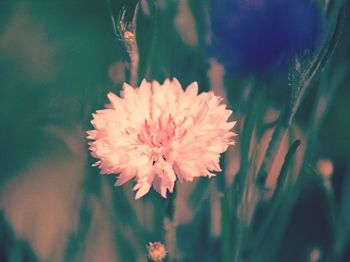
{"x": 271, "y": 152}
{"x": 134, "y": 57}
{"x": 342, "y": 235}
{"x": 225, "y": 228}
{"x": 278, "y": 196}
{"x": 170, "y": 225}
{"x": 153, "y": 40}
{"x": 225, "y": 212}
{"x": 254, "y": 109}
{"x": 242, "y": 183}
{"x": 332, "y": 205}
{"x": 131, "y": 44}
{"x": 278, "y": 224}
{"x": 246, "y": 206}
{"x": 329, "y": 84}
{"x": 282, "y": 178}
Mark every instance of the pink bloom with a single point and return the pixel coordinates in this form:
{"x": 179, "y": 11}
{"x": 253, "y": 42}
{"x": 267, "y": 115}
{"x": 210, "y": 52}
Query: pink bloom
{"x": 157, "y": 134}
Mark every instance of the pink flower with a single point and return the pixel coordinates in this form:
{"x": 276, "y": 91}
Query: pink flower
{"x": 157, "y": 134}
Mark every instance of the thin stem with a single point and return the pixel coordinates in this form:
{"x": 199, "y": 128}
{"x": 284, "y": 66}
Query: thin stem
{"x": 278, "y": 197}
{"x": 153, "y": 40}
{"x": 225, "y": 228}
{"x": 274, "y": 145}
{"x": 244, "y": 179}
{"x": 134, "y": 65}
{"x": 133, "y": 51}
{"x": 170, "y": 225}
{"x": 282, "y": 178}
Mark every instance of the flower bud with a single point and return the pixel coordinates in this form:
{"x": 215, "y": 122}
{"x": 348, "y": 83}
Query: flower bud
{"x": 156, "y": 251}
{"x": 129, "y": 37}
{"x": 325, "y": 167}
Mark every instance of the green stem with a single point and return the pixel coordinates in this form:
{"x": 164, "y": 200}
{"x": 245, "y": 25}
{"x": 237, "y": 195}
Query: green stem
{"x": 243, "y": 182}
{"x": 170, "y": 225}
{"x": 278, "y": 197}
{"x": 225, "y": 228}
{"x": 148, "y": 71}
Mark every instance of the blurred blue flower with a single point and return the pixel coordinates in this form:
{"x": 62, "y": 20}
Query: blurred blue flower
{"x": 256, "y": 36}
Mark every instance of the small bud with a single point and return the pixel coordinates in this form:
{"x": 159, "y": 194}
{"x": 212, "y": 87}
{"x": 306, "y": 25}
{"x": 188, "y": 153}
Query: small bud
{"x": 156, "y": 251}
{"x": 129, "y": 37}
{"x": 297, "y": 65}
{"x": 315, "y": 254}
{"x": 325, "y": 167}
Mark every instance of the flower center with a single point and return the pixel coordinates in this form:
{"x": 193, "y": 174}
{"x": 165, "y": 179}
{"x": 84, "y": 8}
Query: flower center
{"x": 158, "y": 135}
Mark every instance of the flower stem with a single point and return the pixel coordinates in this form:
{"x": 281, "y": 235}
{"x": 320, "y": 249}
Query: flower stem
{"x": 152, "y": 47}
{"x": 225, "y": 229}
{"x": 170, "y": 225}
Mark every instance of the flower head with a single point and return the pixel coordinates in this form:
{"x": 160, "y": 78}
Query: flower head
{"x": 156, "y": 251}
{"x": 157, "y": 134}
{"x": 256, "y": 36}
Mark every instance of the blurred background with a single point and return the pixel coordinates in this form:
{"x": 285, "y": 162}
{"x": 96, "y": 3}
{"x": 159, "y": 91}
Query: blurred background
{"x": 58, "y": 60}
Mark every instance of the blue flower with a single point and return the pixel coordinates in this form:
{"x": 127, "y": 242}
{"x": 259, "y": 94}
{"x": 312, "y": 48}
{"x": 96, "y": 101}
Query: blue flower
{"x": 256, "y": 36}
